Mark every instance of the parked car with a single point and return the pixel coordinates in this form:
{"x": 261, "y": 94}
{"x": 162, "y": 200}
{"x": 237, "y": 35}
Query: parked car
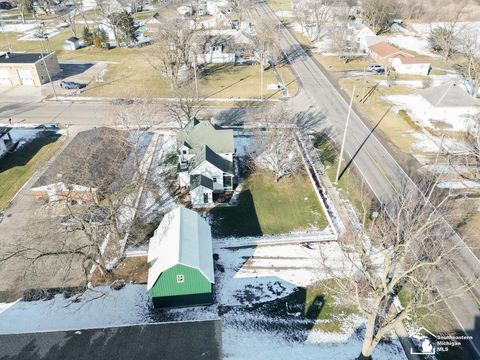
{"x": 141, "y": 42}
{"x": 376, "y": 68}
{"x": 71, "y": 85}
{"x": 4, "y": 5}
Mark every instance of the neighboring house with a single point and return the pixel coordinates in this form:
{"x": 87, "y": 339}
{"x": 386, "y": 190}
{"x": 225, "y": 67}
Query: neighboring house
{"x": 27, "y": 68}
{"x": 181, "y": 260}
{"x": 416, "y": 65}
{"x": 205, "y": 150}
{"x": 216, "y": 55}
{"x": 185, "y": 10}
{"x": 74, "y": 176}
{"x": 450, "y": 107}
{"x": 72, "y": 43}
{"x": 362, "y": 34}
{"x": 152, "y": 25}
{"x": 383, "y": 53}
{"x": 399, "y": 60}
{"x": 6, "y": 142}
{"x": 163, "y": 340}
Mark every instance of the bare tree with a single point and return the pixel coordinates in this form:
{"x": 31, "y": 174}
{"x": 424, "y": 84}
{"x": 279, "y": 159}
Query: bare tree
{"x": 444, "y": 37}
{"x": 380, "y": 13}
{"x": 469, "y": 68}
{"x": 70, "y": 16}
{"x": 264, "y": 46}
{"x": 103, "y": 177}
{"x": 173, "y": 49}
{"x": 185, "y": 106}
{"x": 401, "y": 253}
{"x": 276, "y": 147}
{"x": 342, "y": 39}
{"x": 24, "y": 6}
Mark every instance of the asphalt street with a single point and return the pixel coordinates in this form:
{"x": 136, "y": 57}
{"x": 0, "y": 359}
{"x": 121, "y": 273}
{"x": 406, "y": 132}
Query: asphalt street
{"x": 384, "y": 176}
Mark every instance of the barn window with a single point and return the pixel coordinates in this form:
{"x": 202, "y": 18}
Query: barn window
{"x": 180, "y": 279}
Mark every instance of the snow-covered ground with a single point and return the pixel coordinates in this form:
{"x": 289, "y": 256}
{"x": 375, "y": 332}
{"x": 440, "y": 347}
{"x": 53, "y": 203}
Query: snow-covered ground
{"x": 415, "y": 106}
{"x": 20, "y": 28}
{"x": 431, "y": 144}
{"x": 413, "y": 43}
{"x": 250, "y": 286}
{"x": 29, "y": 36}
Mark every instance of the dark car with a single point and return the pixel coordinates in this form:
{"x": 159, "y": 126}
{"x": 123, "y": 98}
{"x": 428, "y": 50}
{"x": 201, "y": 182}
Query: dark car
{"x": 71, "y": 85}
{"x": 5, "y": 5}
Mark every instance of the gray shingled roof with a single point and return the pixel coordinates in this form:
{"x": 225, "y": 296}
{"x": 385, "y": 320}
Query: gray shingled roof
{"x": 172, "y": 341}
{"x": 198, "y": 133}
{"x": 104, "y": 161}
{"x": 200, "y": 180}
{"x": 4, "y": 130}
{"x": 448, "y": 95}
{"x": 21, "y": 58}
{"x": 213, "y": 158}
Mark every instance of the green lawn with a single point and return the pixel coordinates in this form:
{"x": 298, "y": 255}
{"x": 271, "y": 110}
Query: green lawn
{"x": 131, "y": 74}
{"x": 267, "y": 207}
{"x": 280, "y": 5}
{"x": 16, "y": 168}
{"x": 348, "y": 184}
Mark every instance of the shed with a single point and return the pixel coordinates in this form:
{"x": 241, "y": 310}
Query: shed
{"x": 72, "y": 43}
{"x": 181, "y": 259}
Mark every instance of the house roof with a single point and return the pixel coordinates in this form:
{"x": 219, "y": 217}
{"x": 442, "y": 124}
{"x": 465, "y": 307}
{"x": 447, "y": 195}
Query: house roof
{"x": 146, "y": 341}
{"x": 384, "y": 49}
{"x": 72, "y": 39}
{"x": 448, "y": 95}
{"x": 413, "y": 59}
{"x": 200, "y": 180}
{"x": 198, "y": 133}
{"x": 91, "y": 158}
{"x": 183, "y": 237}
{"x": 21, "y": 58}
{"x": 213, "y": 158}
{"x": 4, "y": 130}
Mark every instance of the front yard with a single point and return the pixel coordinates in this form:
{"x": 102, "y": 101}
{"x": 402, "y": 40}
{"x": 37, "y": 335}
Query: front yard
{"x": 17, "y": 167}
{"x": 266, "y": 207}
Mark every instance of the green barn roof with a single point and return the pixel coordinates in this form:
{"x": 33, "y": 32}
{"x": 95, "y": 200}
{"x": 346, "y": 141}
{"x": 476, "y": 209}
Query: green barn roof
{"x": 200, "y": 133}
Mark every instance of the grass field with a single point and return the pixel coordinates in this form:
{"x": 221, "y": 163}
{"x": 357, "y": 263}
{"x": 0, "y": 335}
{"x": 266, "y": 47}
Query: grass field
{"x": 280, "y": 5}
{"x": 266, "y": 207}
{"x": 334, "y": 63}
{"x": 131, "y": 73}
{"x": 16, "y": 168}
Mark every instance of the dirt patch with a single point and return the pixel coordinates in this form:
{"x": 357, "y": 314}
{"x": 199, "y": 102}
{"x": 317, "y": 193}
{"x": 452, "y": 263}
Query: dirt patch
{"x": 131, "y": 269}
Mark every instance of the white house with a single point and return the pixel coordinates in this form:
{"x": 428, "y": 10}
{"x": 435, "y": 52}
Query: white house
{"x": 362, "y": 35}
{"x": 216, "y": 55}
{"x": 416, "y": 65}
{"x": 72, "y": 43}
{"x": 205, "y": 163}
{"x": 450, "y": 107}
{"x": 6, "y": 142}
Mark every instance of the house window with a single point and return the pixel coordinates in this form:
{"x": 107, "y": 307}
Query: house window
{"x": 214, "y": 179}
{"x": 180, "y": 279}
{"x": 184, "y": 152}
{"x": 227, "y": 180}
{"x": 205, "y": 198}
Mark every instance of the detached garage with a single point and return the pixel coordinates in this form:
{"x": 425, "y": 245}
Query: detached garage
{"x": 27, "y": 68}
{"x": 181, "y": 260}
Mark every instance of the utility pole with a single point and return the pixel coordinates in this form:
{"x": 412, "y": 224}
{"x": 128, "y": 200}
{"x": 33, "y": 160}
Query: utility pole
{"x": 46, "y": 68}
{"x": 344, "y": 136}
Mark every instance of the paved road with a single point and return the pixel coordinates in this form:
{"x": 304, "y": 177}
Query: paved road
{"x": 373, "y": 161}
{"x": 88, "y": 113}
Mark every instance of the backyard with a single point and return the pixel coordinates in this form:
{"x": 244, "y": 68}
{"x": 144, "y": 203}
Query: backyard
{"x": 268, "y": 207}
